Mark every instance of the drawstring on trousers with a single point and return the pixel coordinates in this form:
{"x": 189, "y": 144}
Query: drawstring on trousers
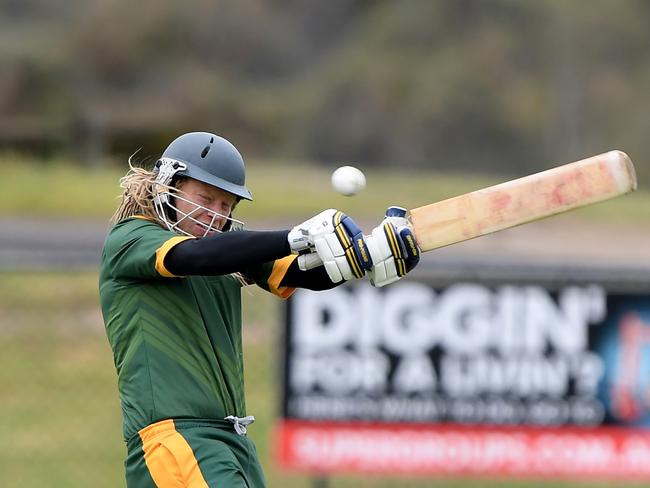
{"x": 240, "y": 423}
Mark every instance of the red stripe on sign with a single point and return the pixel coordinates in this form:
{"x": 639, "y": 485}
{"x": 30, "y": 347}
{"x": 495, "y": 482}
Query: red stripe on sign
{"x": 458, "y": 450}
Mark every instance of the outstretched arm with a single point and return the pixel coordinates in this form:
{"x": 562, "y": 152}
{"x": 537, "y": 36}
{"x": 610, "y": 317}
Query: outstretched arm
{"x": 334, "y": 247}
{"x": 226, "y": 253}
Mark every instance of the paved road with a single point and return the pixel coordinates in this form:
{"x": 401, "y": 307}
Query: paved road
{"x": 50, "y": 243}
{"x": 557, "y": 247}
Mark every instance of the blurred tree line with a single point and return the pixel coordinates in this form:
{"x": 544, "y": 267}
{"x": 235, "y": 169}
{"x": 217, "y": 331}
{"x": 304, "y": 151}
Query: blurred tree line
{"x": 484, "y": 85}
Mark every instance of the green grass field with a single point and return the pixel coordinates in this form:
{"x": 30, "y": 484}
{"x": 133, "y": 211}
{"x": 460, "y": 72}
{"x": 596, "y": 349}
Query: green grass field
{"x": 60, "y": 422}
{"x": 59, "y": 412}
{"x": 290, "y": 191}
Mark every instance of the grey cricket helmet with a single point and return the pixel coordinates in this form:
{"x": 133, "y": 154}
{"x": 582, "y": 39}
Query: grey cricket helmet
{"x": 210, "y": 159}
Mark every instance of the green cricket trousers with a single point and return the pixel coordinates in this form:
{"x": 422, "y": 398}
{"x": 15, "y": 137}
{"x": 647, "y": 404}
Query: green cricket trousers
{"x": 189, "y": 453}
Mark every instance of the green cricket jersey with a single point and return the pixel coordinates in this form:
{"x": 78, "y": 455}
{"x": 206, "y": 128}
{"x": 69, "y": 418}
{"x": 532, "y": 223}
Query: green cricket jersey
{"x": 177, "y": 341}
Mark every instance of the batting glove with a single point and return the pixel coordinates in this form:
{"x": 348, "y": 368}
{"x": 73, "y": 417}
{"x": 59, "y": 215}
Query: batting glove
{"x": 334, "y": 240}
{"x": 393, "y": 248}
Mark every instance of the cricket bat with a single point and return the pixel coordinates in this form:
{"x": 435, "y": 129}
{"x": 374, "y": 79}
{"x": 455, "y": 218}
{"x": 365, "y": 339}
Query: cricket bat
{"x": 523, "y": 200}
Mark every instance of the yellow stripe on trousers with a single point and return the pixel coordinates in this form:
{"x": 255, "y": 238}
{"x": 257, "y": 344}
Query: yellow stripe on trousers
{"x": 170, "y": 458}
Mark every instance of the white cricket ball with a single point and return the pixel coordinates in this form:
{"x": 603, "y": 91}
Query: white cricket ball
{"x": 348, "y": 180}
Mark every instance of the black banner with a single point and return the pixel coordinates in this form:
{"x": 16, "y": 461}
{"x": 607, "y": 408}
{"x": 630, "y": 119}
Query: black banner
{"x": 469, "y": 352}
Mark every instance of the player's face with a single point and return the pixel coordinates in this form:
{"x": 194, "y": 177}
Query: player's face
{"x": 217, "y": 203}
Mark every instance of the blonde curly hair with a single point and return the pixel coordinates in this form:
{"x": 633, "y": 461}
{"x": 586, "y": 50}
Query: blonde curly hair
{"x": 139, "y": 189}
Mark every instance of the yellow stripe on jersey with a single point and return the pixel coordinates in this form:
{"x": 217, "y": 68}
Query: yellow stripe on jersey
{"x": 280, "y": 267}
{"x": 142, "y": 217}
{"x": 162, "y": 251}
{"x": 169, "y": 458}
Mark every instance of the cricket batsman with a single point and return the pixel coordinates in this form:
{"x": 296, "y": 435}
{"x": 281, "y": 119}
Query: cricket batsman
{"x": 173, "y": 266}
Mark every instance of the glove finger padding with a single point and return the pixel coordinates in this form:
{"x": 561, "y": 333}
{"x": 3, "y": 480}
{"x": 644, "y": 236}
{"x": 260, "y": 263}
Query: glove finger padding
{"x": 309, "y": 261}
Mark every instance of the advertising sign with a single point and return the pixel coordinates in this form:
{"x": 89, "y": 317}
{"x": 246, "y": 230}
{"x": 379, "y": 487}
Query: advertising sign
{"x": 468, "y": 377}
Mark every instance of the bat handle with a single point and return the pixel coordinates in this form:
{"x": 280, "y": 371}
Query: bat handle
{"x": 394, "y": 211}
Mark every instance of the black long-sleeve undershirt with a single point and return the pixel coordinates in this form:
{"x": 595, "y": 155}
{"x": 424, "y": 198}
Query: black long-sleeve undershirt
{"x": 228, "y": 252}
{"x": 232, "y": 252}
{"x": 313, "y": 279}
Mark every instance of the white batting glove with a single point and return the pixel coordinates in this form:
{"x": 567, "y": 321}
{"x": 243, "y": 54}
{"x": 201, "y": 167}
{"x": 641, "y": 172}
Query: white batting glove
{"x": 393, "y": 248}
{"x": 309, "y": 260}
{"x": 337, "y": 242}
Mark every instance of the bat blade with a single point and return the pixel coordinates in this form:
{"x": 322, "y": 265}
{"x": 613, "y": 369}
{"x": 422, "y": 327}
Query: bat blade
{"x": 523, "y": 200}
